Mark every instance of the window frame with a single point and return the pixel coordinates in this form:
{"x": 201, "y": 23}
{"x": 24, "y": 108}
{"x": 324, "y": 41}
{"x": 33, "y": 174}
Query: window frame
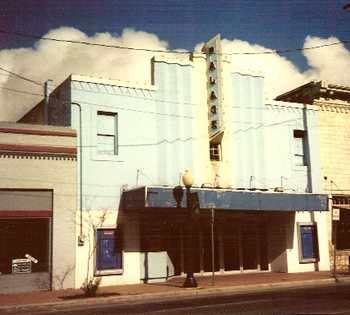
{"x": 109, "y": 271}
{"x": 115, "y": 135}
{"x": 218, "y": 154}
{"x": 315, "y": 243}
{"x": 299, "y": 134}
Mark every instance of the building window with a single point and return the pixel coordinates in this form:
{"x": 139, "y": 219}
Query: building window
{"x": 107, "y": 128}
{"x": 109, "y": 257}
{"x": 299, "y": 147}
{"x": 308, "y": 242}
{"x": 215, "y": 152}
{"x": 343, "y": 230}
{"x": 342, "y": 202}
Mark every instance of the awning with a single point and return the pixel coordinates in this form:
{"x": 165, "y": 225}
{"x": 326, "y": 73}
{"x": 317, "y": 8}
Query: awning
{"x": 164, "y": 197}
{"x": 26, "y": 203}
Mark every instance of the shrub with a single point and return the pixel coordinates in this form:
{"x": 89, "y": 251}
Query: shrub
{"x": 91, "y": 286}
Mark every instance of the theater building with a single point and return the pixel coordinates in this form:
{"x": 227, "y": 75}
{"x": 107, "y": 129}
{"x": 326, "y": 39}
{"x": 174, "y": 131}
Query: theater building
{"x": 257, "y": 189}
{"x": 37, "y": 207}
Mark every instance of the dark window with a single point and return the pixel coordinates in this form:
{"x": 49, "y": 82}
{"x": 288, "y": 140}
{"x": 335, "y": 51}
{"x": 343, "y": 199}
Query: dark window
{"x": 107, "y": 133}
{"x": 342, "y": 202}
{"x": 343, "y": 230}
{"x": 308, "y": 243}
{"x": 215, "y": 152}
{"x": 109, "y": 258}
{"x": 19, "y": 237}
{"x": 299, "y": 148}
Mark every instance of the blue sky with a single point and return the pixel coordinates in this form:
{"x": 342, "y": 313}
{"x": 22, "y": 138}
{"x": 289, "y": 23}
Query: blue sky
{"x": 246, "y": 25}
{"x": 271, "y": 23}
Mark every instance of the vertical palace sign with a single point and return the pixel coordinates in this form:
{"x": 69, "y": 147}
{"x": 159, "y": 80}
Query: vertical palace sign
{"x": 212, "y": 49}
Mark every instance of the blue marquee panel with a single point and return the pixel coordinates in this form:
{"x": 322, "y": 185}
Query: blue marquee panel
{"x": 163, "y": 197}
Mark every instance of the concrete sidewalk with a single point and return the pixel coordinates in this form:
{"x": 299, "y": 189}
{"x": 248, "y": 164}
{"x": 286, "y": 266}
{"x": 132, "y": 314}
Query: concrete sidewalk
{"x": 239, "y": 283}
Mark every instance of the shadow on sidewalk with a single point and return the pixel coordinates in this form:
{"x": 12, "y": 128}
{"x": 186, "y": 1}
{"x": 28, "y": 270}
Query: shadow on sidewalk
{"x": 83, "y": 296}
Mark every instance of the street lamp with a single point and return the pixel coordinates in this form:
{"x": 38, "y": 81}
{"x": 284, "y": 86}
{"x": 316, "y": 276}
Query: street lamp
{"x": 190, "y": 281}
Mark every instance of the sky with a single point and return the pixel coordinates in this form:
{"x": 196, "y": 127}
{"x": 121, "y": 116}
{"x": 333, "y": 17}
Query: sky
{"x": 245, "y": 26}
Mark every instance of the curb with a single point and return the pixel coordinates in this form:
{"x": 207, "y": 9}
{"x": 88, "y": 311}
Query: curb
{"x": 186, "y": 293}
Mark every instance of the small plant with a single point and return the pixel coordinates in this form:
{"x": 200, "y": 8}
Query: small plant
{"x": 91, "y": 286}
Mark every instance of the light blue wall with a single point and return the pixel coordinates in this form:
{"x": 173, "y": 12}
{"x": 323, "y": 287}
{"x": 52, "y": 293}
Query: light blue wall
{"x": 263, "y": 139}
{"x": 157, "y": 135}
{"x": 248, "y": 138}
{"x": 176, "y": 132}
{"x": 155, "y": 130}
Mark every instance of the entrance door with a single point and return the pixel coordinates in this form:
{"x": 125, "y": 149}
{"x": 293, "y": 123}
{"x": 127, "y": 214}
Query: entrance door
{"x": 264, "y": 264}
{"x": 249, "y": 245}
{"x": 230, "y": 232}
{"x": 205, "y": 253}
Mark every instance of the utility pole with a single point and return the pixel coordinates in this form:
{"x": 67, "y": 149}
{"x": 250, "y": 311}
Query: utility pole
{"x": 212, "y": 246}
{"x": 334, "y": 225}
{"x": 212, "y": 222}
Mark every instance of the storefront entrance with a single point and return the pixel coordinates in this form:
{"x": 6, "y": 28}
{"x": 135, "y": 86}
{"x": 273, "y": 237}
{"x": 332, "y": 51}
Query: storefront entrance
{"x": 25, "y": 240}
{"x": 240, "y": 241}
{"x": 21, "y": 238}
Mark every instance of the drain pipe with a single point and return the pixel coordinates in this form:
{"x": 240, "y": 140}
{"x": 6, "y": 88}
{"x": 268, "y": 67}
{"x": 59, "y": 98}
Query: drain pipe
{"x": 81, "y": 236}
{"x": 309, "y": 172}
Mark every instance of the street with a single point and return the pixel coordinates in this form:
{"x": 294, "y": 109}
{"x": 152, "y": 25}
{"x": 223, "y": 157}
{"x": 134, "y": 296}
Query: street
{"x": 326, "y": 299}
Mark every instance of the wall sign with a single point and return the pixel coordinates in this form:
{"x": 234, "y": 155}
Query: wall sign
{"x": 212, "y": 49}
{"x": 336, "y": 214}
{"x": 21, "y": 265}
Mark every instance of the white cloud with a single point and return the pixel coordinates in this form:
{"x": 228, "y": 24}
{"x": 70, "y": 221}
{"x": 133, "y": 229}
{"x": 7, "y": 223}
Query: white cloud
{"x": 48, "y": 59}
{"x": 280, "y": 73}
{"x": 329, "y": 63}
{"x": 56, "y": 61}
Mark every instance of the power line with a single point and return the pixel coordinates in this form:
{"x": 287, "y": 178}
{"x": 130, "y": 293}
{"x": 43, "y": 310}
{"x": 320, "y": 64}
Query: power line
{"x": 267, "y": 106}
{"x": 5, "y": 74}
{"x": 267, "y": 52}
{"x": 21, "y": 77}
{"x": 139, "y": 97}
{"x": 165, "y": 114}
{"x": 135, "y": 110}
{"x": 288, "y": 50}
{"x": 241, "y": 107}
{"x": 103, "y": 105}
{"x": 92, "y": 44}
{"x": 20, "y": 91}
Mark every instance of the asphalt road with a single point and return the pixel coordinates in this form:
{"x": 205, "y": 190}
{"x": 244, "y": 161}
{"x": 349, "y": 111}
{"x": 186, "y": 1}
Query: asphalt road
{"x": 327, "y": 299}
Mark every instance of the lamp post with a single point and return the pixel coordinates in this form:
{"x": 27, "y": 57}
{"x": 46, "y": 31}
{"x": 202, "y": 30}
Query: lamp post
{"x": 190, "y": 281}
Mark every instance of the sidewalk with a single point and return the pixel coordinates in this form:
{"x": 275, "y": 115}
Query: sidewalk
{"x": 223, "y": 283}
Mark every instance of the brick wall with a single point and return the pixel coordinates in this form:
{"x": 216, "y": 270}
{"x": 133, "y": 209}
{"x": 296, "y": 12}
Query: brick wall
{"x": 334, "y": 123}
